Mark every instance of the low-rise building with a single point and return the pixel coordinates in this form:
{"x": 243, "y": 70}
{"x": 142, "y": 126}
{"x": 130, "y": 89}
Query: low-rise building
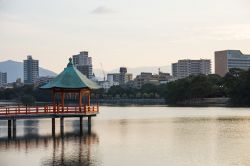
{"x": 43, "y": 80}
{"x": 18, "y": 83}
{"x": 186, "y": 67}
{"x": 149, "y": 78}
{"x": 122, "y": 78}
{"x": 113, "y": 77}
{"x": 107, "y": 85}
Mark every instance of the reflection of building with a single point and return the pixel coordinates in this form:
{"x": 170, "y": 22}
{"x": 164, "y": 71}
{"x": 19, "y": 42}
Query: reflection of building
{"x": 3, "y": 79}
{"x": 187, "y": 67}
{"x": 228, "y": 59}
{"x": 31, "y": 128}
{"x": 83, "y": 63}
{"x": 30, "y": 70}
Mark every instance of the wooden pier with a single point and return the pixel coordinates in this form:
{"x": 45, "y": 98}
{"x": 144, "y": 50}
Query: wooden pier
{"x": 12, "y": 114}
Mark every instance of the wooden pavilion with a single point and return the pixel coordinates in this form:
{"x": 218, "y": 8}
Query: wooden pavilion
{"x": 71, "y": 81}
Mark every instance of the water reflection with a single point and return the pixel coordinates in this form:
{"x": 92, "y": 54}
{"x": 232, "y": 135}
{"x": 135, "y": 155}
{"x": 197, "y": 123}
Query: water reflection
{"x": 31, "y": 128}
{"x": 81, "y": 154}
{"x": 68, "y": 149}
{"x": 158, "y": 136}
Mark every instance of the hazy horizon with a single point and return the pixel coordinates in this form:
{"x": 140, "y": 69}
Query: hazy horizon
{"x": 122, "y": 33}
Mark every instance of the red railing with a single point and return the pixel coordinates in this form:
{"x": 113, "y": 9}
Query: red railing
{"x": 48, "y": 109}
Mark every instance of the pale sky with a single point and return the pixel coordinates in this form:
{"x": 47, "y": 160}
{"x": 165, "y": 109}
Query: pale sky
{"x": 130, "y": 33}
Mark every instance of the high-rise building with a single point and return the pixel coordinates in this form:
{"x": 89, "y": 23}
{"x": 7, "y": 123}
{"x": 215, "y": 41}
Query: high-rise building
{"x": 3, "y": 78}
{"x": 174, "y": 69}
{"x": 30, "y": 70}
{"x": 187, "y": 67}
{"x": 83, "y": 63}
{"x": 228, "y": 59}
{"x": 123, "y": 72}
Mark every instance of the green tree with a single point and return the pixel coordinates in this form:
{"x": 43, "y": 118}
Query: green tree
{"x": 28, "y": 100}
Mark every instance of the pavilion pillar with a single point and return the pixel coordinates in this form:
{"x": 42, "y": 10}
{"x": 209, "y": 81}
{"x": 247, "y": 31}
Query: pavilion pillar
{"x": 80, "y": 100}
{"x": 81, "y": 125}
{"x": 62, "y": 100}
{"x": 89, "y": 98}
{"x": 54, "y": 100}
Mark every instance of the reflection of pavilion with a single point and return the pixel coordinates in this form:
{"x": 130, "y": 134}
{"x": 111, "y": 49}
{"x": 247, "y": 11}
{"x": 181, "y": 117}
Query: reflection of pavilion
{"x": 82, "y": 144}
{"x": 31, "y": 127}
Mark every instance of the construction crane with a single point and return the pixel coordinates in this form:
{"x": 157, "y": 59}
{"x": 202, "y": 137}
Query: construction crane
{"x": 103, "y": 72}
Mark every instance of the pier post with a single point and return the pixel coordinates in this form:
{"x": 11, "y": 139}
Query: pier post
{"x": 62, "y": 126}
{"x": 81, "y": 125}
{"x": 14, "y": 128}
{"x": 89, "y": 124}
{"x": 9, "y": 128}
{"x": 53, "y": 127}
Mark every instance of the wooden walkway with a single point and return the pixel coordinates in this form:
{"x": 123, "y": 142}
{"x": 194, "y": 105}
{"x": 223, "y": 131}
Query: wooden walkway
{"x": 12, "y": 113}
{"x": 47, "y": 111}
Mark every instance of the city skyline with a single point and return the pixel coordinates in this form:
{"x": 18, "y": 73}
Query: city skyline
{"x": 116, "y": 36}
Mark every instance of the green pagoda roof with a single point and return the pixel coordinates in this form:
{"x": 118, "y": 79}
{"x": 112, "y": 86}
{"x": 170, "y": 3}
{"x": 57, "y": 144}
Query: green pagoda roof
{"x": 71, "y": 78}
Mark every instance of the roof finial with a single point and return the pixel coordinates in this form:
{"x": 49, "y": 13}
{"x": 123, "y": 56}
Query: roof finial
{"x": 70, "y": 62}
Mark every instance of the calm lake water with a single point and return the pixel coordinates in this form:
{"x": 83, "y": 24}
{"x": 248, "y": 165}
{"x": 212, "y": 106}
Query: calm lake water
{"x": 144, "y": 136}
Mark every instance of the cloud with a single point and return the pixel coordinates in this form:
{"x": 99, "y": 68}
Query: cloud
{"x": 102, "y": 10}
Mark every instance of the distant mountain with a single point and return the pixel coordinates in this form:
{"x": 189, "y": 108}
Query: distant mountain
{"x": 135, "y": 71}
{"x": 15, "y": 70}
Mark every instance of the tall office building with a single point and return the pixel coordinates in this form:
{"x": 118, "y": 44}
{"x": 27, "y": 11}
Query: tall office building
{"x": 3, "y": 78}
{"x": 174, "y": 69}
{"x": 30, "y": 70}
{"x": 83, "y": 63}
{"x": 123, "y": 72}
{"x": 187, "y": 67}
{"x": 228, "y": 59}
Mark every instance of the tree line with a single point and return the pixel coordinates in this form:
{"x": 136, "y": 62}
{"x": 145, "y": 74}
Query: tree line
{"x": 235, "y": 85}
